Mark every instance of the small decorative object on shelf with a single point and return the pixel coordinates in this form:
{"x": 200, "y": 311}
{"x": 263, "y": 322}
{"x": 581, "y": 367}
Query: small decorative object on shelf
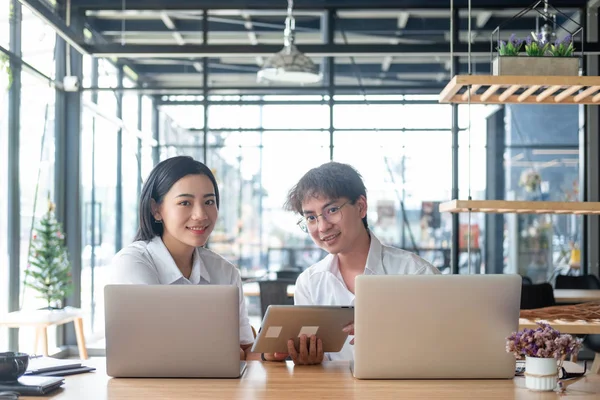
{"x": 546, "y": 73}
{"x": 541, "y": 58}
{"x": 546, "y": 54}
{"x": 530, "y": 180}
{"x": 544, "y": 350}
{"x": 49, "y": 270}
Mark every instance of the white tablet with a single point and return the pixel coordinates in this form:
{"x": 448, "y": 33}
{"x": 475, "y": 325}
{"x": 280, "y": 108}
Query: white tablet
{"x": 282, "y": 323}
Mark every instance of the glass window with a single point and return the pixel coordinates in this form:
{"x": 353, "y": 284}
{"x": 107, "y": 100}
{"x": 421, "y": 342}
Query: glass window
{"x": 188, "y": 117}
{"x": 37, "y": 166}
{"x": 87, "y": 77}
{"x": 394, "y": 171}
{"x": 3, "y": 192}
{"x": 391, "y": 116}
{"x": 295, "y": 117}
{"x": 130, "y": 166}
{"x": 542, "y": 163}
{"x": 37, "y": 41}
{"x": 252, "y": 222}
{"x": 247, "y": 116}
{"x": 98, "y": 174}
{"x": 4, "y": 23}
{"x": 147, "y": 112}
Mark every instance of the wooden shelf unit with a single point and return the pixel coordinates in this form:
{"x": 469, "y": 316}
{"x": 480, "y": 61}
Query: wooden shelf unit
{"x": 521, "y": 207}
{"x": 490, "y": 89}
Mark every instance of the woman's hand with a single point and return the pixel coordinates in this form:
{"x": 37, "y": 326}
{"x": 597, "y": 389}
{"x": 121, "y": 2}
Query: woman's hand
{"x": 349, "y": 329}
{"x": 309, "y": 353}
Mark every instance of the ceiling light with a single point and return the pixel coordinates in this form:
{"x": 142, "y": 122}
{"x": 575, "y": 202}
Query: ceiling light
{"x": 289, "y": 65}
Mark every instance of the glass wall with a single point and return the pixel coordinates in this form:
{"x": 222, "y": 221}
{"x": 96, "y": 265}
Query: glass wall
{"x": 146, "y": 154}
{"x": 98, "y": 203}
{"x": 37, "y": 41}
{"x": 391, "y": 145}
{"x": 542, "y": 163}
{"x": 37, "y": 166}
{"x": 129, "y": 160}
{"x": 4, "y": 24}
{"x": 4, "y": 85}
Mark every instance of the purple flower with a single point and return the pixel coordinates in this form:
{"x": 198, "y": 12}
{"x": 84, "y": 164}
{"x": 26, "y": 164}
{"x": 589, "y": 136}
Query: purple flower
{"x": 528, "y": 40}
{"x": 501, "y": 43}
{"x": 567, "y": 40}
{"x": 541, "y": 39}
{"x": 543, "y": 342}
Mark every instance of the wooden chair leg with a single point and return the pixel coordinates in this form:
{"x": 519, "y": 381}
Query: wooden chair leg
{"x": 78, "y": 322}
{"x": 574, "y": 357}
{"x": 596, "y": 365}
{"x": 43, "y": 333}
{"x": 36, "y": 343}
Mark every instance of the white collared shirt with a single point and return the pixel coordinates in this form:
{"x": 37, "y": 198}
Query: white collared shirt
{"x": 322, "y": 283}
{"x": 150, "y": 263}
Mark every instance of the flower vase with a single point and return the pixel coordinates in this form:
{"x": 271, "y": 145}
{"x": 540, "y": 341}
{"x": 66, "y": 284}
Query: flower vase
{"x": 541, "y": 374}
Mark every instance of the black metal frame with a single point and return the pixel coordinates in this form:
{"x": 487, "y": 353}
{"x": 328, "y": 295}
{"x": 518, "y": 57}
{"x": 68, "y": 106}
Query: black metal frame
{"x": 119, "y": 177}
{"x": 301, "y": 5}
{"x": 14, "y": 201}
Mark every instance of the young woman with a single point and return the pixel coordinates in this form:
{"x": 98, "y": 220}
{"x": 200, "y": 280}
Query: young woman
{"x": 178, "y": 210}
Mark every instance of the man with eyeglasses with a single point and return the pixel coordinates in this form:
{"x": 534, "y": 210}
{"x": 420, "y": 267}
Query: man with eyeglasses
{"x": 332, "y": 200}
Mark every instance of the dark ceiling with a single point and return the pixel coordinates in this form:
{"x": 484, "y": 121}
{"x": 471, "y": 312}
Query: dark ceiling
{"x": 391, "y": 42}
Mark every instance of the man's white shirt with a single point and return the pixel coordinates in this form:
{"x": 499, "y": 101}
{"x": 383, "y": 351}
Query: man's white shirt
{"x": 150, "y": 263}
{"x": 322, "y": 283}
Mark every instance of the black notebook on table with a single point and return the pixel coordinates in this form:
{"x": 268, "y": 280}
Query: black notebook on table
{"x": 33, "y": 385}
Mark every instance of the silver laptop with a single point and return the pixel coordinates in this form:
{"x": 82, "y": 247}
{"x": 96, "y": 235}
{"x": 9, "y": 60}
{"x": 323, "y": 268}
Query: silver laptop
{"x": 172, "y": 331}
{"x": 435, "y": 326}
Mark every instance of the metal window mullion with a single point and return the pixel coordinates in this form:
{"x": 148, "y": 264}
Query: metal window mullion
{"x": 14, "y": 201}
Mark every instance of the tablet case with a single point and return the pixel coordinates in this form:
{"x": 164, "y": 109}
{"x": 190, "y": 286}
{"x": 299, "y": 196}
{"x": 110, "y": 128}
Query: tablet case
{"x": 284, "y": 322}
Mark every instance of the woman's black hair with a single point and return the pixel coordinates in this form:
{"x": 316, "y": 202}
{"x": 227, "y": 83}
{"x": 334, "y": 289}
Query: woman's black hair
{"x": 164, "y": 175}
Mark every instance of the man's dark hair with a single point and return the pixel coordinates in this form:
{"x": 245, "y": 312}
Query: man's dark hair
{"x": 332, "y": 180}
{"x": 164, "y": 175}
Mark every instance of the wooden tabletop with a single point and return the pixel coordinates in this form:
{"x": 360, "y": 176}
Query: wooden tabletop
{"x": 564, "y": 296}
{"x": 331, "y": 380}
{"x": 17, "y": 319}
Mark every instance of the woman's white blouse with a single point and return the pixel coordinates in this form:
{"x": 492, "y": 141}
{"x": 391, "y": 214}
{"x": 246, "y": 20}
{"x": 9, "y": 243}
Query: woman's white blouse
{"x": 151, "y": 263}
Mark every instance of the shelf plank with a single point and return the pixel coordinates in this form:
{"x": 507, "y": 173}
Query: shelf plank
{"x": 521, "y": 207}
{"x": 522, "y": 89}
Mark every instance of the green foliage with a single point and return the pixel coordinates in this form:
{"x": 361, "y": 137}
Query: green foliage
{"x": 510, "y": 48}
{"x": 562, "y": 48}
{"x": 5, "y": 68}
{"x": 536, "y": 48}
{"x": 49, "y": 269}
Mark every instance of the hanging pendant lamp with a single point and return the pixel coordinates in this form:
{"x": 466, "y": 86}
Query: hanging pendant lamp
{"x": 289, "y": 65}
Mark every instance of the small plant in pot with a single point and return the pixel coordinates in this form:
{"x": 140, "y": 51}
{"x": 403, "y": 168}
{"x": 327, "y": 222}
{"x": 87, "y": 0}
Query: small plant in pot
{"x": 544, "y": 350}
{"x": 540, "y": 57}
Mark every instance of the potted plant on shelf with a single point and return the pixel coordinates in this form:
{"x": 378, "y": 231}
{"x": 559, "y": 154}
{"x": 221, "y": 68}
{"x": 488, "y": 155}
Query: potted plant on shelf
{"x": 544, "y": 350}
{"x": 541, "y": 58}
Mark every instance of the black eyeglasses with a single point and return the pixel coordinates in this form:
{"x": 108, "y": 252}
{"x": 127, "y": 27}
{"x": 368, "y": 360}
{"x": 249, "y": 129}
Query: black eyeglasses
{"x": 333, "y": 215}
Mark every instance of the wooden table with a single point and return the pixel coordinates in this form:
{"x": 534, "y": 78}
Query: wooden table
{"x": 42, "y": 319}
{"x": 331, "y": 380}
{"x": 566, "y": 296}
{"x": 573, "y": 327}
